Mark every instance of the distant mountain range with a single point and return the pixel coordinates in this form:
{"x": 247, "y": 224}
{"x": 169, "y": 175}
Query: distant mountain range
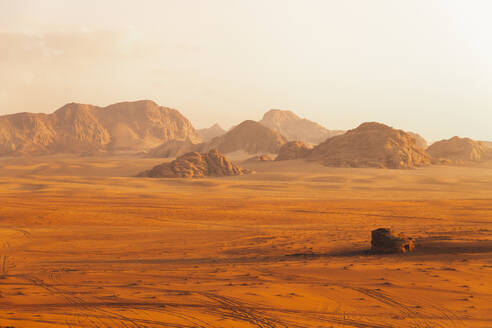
{"x": 79, "y": 128}
{"x": 143, "y": 126}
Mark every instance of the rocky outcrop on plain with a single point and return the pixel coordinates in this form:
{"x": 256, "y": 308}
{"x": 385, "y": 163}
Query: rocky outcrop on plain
{"x": 459, "y": 151}
{"x": 208, "y": 134}
{"x": 371, "y": 145}
{"x": 196, "y": 165}
{"x": 259, "y": 159}
{"x": 385, "y": 241}
{"x": 294, "y": 128}
{"x": 293, "y": 150}
{"x": 250, "y": 137}
{"x": 79, "y": 128}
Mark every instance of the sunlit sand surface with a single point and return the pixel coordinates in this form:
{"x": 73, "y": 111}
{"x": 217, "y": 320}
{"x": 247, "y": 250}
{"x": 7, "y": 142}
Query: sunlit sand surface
{"x": 83, "y": 243}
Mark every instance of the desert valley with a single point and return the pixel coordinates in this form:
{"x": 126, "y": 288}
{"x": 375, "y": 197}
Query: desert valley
{"x": 245, "y": 164}
{"x": 126, "y": 216}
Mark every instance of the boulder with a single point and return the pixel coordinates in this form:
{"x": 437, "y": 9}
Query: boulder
{"x": 259, "y": 158}
{"x": 385, "y": 241}
{"x": 293, "y": 150}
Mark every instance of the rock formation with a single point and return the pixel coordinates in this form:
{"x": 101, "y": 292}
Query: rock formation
{"x": 487, "y": 143}
{"x": 208, "y": 134}
{"x": 385, "y": 241}
{"x": 249, "y": 136}
{"x": 294, "y": 128}
{"x": 173, "y": 148}
{"x": 371, "y": 145}
{"x": 421, "y": 142}
{"x": 259, "y": 158}
{"x": 293, "y": 150}
{"x": 78, "y": 128}
{"x": 196, "y": 165}
{"x": 460, "y": 150}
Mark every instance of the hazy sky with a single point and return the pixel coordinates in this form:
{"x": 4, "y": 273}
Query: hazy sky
{"x": 419, "y": 65}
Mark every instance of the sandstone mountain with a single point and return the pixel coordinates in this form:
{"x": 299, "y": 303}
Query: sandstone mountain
{"x": 487, "y": 143}
{"x": 293, "y": 150}
{"x": 173, "y": 148}
{"x": 460, "y": 150}
{"x": 420, "y": 141}
{"x": 259, "y": 159}
{"x": 294, "y": 128}
{"x": 208, "y": 134}
{"x": 249, "y": 136}
{"x": 371, "y": 145}
{"x": 79, "y": 128}
{"x": 196, "y": 165}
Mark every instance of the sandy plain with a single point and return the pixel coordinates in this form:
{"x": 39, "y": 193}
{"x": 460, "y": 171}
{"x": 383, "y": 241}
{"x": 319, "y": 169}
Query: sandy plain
{"x": 85, "y": 244}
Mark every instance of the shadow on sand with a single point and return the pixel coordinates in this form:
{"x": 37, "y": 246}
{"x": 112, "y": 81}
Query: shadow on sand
{"x": 425, "y": 246}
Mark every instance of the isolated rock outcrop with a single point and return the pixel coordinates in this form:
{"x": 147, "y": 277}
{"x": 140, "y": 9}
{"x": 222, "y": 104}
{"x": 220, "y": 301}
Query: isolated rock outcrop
{"x": 371, "y": 145}
{"x": 385, "y": 241}
{"x": 196, "y": 165}
{"x": 293, "y": 150}
{"x": 294, "y": 128}
{"x": 208, "y": 134}
{"x": 460, "y": 150}
{"x": 249, "y": 136}
{"x": 79, "y": 128}
{"x": 259, "y": 158}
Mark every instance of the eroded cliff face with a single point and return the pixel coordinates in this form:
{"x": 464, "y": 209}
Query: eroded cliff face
{"x": 371, "y": 145}
{"x": 79, "y": 128}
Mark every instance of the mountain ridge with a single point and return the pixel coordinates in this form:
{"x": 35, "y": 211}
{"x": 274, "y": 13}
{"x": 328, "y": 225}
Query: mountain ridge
{"x": 79, "y": 128}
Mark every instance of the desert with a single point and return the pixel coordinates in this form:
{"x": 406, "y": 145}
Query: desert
{"x": 87, "y": 244}
{"x": 245, "y": 164}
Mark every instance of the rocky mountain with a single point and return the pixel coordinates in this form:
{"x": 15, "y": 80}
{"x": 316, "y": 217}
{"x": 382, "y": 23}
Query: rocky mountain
{"x": 249, "y": 136}
{"x": 208, "y": 134}
{"x": 173, "y": 148}
{"x": 460, "y": 150}
{"x": 371, "y": 145}
{"x": 487, "y": 143}
{"x": 421, "y": 142}
{"x": 196, "y": 165}
{"x": 259, "y": 159}
{"x": 294, "y": 128}
{"x": 293, "y": 150}
{"x": 79, "y": 128}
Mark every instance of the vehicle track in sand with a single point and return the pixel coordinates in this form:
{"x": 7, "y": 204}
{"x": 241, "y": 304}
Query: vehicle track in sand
{"x": 422, "y": 314}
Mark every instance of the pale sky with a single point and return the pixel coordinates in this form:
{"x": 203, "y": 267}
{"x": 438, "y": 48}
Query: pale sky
{"x": 418, "y": 65}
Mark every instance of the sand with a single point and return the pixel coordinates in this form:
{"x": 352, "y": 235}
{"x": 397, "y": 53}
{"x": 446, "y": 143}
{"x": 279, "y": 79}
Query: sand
{"x": 85, "y": 244}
